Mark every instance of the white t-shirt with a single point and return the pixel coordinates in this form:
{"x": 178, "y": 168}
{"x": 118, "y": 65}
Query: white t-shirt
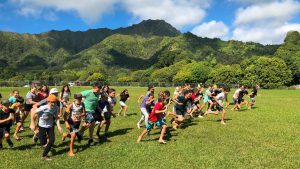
{"x": 236, "y": 93}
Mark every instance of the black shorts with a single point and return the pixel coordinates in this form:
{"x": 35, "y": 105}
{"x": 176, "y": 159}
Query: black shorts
{"x": 4, "y": 129}
{"x": 98, "y": 117}
{"x": 28, "y": 107}
{"x": 219, "y": 108}
{"x": 74, "y": 126}
{"x": 240, "y": 100}
{"x": 179, "y": 112}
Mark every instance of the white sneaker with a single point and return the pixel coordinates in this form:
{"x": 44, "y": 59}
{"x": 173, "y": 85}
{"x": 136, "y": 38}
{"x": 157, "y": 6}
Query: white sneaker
{"x": 97, "y": 122}
{"x": 200, "y": 116}
{"x": 138, "y": 125}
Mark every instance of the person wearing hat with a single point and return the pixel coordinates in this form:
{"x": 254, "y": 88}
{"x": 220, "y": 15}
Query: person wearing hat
{"x": 74, "y": 112}
{"x": 6, "y": 118}
{"x": 46, "y": 115}
{"x": 53, "y": 92}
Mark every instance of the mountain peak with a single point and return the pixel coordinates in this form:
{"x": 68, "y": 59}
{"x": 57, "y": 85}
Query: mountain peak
{"x": 150, "y": 27}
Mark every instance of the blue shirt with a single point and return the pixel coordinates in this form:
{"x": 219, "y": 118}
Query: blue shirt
{"x": 47, "y": 115}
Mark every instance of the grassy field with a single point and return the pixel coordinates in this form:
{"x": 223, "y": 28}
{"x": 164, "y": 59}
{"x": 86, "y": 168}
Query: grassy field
{"x": 265, "y": 137}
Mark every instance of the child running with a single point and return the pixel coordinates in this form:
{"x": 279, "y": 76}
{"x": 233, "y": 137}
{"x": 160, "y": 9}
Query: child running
{"x": 74, "y": 112}
{"x": 6, "y": 118}
{"x": 17, "y": 107}
{"x": 156, "y": 118}
{"x": 124, "y": 96}
{"x": 46, "y": 115}
{"x": 64, "y": 98}
{"x": 146, "y": 103}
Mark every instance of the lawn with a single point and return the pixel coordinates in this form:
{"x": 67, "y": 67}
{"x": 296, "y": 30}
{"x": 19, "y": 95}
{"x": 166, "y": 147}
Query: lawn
{"x": 265, "y": 137}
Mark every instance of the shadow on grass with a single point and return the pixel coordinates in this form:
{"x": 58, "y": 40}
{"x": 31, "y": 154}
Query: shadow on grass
{"x": 27, "y": 146}
{"x": 119, "y": 132}
{"x": 131, "y": 114}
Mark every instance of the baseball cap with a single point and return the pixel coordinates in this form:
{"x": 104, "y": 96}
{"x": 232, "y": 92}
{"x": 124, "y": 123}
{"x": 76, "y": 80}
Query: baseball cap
{"x": 51, "y": 98}
{"x": 53, "y": 90}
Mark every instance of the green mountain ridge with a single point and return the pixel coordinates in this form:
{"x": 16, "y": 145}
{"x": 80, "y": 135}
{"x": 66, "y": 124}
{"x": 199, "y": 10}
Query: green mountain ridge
{"x": 114, "y": 54}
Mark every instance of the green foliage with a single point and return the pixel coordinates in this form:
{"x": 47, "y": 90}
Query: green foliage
{"x": 96, "y": 77}
{"x": 268, "y": 72}
{"x": 193, "y": 72}
{"x": 226, "y": 74}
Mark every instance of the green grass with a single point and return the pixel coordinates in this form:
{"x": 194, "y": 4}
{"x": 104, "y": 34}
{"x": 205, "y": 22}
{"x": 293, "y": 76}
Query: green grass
{"x": 265, "y": 137}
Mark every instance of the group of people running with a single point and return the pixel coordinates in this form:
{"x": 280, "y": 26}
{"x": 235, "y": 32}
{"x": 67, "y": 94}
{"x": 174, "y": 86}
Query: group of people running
{"x": 93, "y": 108}
{"x": 187, "y": 103}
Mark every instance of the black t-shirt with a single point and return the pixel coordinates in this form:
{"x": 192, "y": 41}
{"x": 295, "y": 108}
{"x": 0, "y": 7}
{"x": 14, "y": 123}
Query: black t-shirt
{"x": 4, "y": 115}
{"x": 242, "y": 94}
{"x": 124, "y": 97}
{"x": 254, "y": 92}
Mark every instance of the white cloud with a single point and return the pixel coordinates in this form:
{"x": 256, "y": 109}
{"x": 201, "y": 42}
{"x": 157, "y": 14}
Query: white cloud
{"x": 179, "y": 13}
{"x": 89, "y": 10}
{"x": 279, "y": 11}
{"x": 253, "y": 1}
{"x": 266, "y": 23}
{"x": 211, "y": 29}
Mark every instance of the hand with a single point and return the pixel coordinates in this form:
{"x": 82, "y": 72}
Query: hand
{"x": 60, "y": 129}
{"x": 11, "y": 116}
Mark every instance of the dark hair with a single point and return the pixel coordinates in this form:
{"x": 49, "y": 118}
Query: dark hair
{"x": 150, "y": 87}
{"x": 150, "y": 94}
{"x": 20, "y": 99}
{"x": 63, "y": 90}
{"x": 167, "y": 93}
{"x": 0, "y": 96}
{"x": 47, "y": 89}
{"x": 97, "y": 85}
{"x": 111, "y": 90}
{"x": 185, "y": 92}
{"x": 105, "y": 87}
{"x": 125, "y": 90}
{"x": 161, "y": 97}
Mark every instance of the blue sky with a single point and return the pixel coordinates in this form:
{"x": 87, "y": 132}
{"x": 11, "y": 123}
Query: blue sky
{"x": 263, "y": 21}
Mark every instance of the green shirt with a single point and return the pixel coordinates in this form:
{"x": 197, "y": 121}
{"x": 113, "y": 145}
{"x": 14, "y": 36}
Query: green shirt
{"x": 90, "y": 100}
{"x": 181, "y": 99}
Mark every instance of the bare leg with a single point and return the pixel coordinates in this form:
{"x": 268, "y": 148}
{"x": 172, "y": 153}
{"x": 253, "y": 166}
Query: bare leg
{"x": 125, "y": 110}
{"x": 142, "y": 135}
{"x": 71, "y": 153}
{"x": 163, "y": 131}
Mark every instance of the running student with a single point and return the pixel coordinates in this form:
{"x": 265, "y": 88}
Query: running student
{"x": 218, "y": 101}
{"x": 156, "y": 118}
{"x": 145, "y": 107}
{"x": 64, "y": 98}
{"x": 253, "y": 95}
{"x": 91, "y": 98}
{"x": 105, "y": 109}
{"x": 46, "y": 115}
{"x": 180, "y": 108}
{"x": 236, "y": 97}
{"x": 124, "y": 96}
{"x": 17, "y": 107}
{"x": 31, "y": 99}
{"x": 13, "y": 97}
{"x": 43, "y": 92}
{"x": 74, "y": 112}
{"x": 6, "y": 118}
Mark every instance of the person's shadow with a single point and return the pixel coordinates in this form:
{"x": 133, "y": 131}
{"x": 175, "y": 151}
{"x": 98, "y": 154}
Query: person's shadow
{"x": 119, "y": 132}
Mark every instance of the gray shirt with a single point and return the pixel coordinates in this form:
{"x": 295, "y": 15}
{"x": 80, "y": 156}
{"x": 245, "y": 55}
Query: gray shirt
{"x": 32, "y": 96}
{"x": 47, "y": 115}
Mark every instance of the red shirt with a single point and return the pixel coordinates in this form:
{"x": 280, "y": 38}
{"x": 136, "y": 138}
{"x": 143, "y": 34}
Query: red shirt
{"x": 42, "y": 95}
{"x": 155, "y": 116}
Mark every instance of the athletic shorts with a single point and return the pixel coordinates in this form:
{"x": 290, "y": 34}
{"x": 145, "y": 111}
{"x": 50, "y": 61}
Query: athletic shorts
{"x": 28, "y": 107}
{"x": 3, "y": 130}
{"x": 98, "y": 116}
{"x": 74, "y": 125}
{"x": 106, "y": 115}
{"x": 179, "y": 112}
{"x": 159, "y": 123}
{"x": 122, "y": 104}
{"x": 219, "y": 108}
{"x": 89, "y": 117}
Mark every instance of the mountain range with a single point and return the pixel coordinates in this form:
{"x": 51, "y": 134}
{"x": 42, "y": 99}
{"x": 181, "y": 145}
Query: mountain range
{"x": 149, "y": 45}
